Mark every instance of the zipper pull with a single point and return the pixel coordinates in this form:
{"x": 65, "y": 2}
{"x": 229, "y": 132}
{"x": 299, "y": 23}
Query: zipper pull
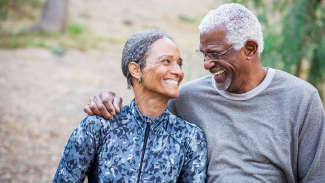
{"x": 148, "y": 120}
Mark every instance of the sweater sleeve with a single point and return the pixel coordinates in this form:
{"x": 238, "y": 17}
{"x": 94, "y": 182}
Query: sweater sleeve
{"x": 311, "y": 150}
{"x": 195, "y": 166}
{"x": 171, "y": 106}
{"x": 80, "y": 151}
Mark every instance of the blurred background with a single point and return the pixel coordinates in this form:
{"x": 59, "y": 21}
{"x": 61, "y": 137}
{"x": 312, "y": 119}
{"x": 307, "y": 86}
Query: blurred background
{"x": 56, "y": 54}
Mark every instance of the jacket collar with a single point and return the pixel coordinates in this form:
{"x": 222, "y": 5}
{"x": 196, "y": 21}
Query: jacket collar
{"x": 155, "y": 123}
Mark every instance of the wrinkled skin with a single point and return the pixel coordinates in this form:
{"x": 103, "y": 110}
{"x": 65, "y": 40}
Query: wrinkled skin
{"x": 105, "y": 103}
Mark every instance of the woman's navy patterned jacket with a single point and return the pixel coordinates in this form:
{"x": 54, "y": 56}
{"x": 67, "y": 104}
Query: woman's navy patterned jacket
{"x": 167, "y": 148}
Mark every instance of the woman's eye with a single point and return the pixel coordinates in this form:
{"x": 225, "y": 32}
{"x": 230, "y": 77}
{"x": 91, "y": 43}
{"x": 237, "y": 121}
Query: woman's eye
{"x": 180, "y": 64}
{"x": 167, "y": 61}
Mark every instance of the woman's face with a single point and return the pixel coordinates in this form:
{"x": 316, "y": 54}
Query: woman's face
{"x": 162, "y": 73}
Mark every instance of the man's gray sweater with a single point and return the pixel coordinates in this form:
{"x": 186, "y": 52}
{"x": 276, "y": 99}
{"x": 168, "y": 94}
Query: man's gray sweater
{"x": 273, "y": 133}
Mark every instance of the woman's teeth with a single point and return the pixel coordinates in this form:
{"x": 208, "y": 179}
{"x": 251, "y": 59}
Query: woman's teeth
{"x": 219, "y": 72}
{"x": 172, "y": 82}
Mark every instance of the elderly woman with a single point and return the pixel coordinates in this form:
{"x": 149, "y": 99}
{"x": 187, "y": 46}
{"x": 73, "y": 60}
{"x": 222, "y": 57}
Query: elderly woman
{"x": 144, "y": 142}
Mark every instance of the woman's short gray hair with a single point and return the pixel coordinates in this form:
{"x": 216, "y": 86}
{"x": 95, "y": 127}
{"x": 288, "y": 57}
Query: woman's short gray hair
{"x": 136, "y": 50}
{"x": 240, "y": 22}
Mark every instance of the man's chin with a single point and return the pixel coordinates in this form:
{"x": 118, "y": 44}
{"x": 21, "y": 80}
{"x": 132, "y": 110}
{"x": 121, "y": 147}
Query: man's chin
{"x": 224, "y": 86}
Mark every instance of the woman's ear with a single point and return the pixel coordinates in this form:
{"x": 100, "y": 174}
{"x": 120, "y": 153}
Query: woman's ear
{"x": 134, "y": 69}
{"x": 251, "y": 48}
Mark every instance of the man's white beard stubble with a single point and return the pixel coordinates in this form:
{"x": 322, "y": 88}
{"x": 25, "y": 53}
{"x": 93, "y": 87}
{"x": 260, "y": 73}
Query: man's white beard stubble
{"x": 225, "y": 85}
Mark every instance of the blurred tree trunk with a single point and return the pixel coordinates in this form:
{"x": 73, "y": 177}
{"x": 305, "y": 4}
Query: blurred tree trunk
{"x": 54, "y": 17}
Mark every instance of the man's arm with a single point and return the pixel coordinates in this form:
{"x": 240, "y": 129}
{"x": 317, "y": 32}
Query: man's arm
{"x": 171, "y": 106}
{"x": 311, "y": 150}
{"x": 105, "y": 104}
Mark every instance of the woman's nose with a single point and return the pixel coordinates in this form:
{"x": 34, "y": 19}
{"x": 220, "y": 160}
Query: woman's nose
{"x": 176, "y": 69}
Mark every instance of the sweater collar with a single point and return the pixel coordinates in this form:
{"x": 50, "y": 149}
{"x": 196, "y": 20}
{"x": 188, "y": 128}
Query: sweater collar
{"x": 142, "y": 119}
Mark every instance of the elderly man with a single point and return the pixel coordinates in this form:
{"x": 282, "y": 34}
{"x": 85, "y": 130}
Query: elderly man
{"x": 262, "y": 124}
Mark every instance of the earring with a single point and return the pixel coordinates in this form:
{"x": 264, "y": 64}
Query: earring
{"x": 139, "y": 81}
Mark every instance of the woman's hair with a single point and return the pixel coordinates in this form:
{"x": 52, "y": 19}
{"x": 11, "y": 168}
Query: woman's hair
{"x": 136, "y": 50}
{"x": 240, "y": 22}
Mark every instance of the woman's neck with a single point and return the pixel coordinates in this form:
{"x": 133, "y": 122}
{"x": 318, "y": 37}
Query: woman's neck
{"x": 150, "y": 105}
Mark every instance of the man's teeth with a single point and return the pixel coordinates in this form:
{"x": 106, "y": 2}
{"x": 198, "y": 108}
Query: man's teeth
{"x": 173, "y": 82}
{"x": 219, "y": 72}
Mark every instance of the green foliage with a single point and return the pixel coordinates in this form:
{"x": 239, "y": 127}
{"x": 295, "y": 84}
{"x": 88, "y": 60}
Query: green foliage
{"x": 21, "y": 40}
{"x": 76, "y": 29}
{"x": 191, "y": 20}
{"x": 317, "y": 67}
{"x": 17, "y": 6}
{"x": 186, "y": 19}
{"x": 297, "y": 38}
{"x": 56, "y": 42}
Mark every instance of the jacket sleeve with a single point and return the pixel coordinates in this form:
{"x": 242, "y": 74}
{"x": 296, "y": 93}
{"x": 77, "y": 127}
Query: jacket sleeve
{"x": 311, "y": 151}
{"x": 80, "y": 151}
{"x": 195, "y": 166}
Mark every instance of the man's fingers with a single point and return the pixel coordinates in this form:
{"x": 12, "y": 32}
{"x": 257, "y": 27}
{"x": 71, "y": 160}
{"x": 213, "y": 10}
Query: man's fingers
{"x": 93, "y": 107}
{"x": 107, "y": 100}
{"x": 87, "y": 110}
{"x": 104, "y": 104}
{"x": 101, "y": 107}
{"x": 117, "y": 102}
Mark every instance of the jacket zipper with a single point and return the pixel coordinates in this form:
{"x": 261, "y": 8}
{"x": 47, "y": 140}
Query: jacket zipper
{"x": 146, "y": 136}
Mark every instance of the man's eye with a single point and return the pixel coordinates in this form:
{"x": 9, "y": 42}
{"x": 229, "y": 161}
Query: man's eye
{"x": 180, "y": 64}
{"x": 213, "y": 55}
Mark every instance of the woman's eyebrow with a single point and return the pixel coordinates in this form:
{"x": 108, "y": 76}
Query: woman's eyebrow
{"x": 166, "y": 56}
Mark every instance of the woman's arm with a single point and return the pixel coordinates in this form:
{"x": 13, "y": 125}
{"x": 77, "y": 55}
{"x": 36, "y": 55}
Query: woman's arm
{"x": 195, "y": 166}
{"x": 81, "y": 150}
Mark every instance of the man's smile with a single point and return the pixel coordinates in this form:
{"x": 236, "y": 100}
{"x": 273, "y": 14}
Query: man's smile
{"x": 218, "y": 73}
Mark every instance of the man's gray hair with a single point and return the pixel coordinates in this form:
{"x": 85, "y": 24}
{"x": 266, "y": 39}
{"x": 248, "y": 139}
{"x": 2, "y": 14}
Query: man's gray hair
{"x": 241, "y": 25}
{"x": 137, "y": 48}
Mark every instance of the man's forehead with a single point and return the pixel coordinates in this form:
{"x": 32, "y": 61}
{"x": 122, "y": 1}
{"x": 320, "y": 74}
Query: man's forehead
{"x": 214, "y": 38}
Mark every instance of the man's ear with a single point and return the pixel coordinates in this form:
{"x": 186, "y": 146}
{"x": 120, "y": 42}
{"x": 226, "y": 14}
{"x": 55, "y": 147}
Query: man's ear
{"x": 134, "y": 69}
{"x": 251, "y": 47}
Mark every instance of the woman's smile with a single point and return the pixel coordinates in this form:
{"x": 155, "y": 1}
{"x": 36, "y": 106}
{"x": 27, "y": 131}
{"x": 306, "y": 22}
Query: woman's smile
{"x": 172, "y": 82}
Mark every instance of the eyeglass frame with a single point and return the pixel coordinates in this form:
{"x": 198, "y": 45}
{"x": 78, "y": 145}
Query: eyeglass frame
{"x": 198, "y": 51}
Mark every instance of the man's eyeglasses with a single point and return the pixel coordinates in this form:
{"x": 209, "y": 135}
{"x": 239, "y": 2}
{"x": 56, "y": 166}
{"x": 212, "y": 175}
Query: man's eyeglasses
{"x": 212, "y": 56}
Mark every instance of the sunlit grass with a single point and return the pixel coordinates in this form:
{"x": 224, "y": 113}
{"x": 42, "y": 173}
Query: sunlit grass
{"x": 17, "y": 15}
{"x": 77, "y": 37}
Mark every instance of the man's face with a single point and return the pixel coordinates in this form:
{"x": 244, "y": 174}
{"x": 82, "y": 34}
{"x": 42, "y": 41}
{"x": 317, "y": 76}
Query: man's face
{"x": 230, "y": 71}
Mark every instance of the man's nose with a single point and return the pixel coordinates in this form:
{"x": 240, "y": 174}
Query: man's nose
{"x": 208, "y": 63}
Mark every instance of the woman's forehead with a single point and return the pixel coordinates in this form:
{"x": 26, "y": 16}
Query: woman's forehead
{"x": 164, "y": 46}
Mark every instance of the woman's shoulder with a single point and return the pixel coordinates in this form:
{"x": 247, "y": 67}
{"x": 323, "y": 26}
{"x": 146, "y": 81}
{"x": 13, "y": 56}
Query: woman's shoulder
{"x": 184, "y": 129}
{"x": 94, "y": 123}
{"x": 98, "y": 122}
{"x": 176, "y": 121}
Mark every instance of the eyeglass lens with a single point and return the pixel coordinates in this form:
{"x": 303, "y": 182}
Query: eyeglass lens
{"x": 213, "y": 56}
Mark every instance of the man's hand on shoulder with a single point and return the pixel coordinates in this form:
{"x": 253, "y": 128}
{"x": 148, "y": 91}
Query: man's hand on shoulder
{"x": 105, "y": 103}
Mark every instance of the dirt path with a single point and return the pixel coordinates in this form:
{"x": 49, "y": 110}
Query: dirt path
{"x": 42, "y": 95}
